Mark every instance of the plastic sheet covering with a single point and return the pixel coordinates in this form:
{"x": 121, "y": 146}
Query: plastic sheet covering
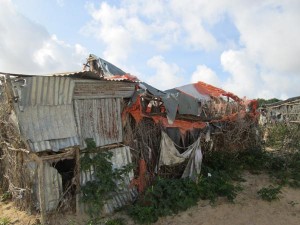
{"x": 169, "y": 155}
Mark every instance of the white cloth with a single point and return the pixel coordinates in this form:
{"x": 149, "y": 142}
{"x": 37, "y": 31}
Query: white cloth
{"x": 169, "y": 155}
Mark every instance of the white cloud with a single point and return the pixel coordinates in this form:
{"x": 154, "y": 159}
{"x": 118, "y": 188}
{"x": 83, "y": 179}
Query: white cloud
{"x": 166, "y": 75}
{"x": 205, "y": 74}
{"x": 27, "y": 47}
{"x": 268, "y": 32}
{"x": 262, "y": 63}
{"x": 156, "y": 24}
{"x": 60, "y": 3}
{"x": 267, "y": 66}
{"x": 244, "y": 79}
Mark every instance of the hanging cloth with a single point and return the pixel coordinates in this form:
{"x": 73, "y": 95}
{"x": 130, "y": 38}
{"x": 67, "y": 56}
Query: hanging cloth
{"x": 169, "y": 155}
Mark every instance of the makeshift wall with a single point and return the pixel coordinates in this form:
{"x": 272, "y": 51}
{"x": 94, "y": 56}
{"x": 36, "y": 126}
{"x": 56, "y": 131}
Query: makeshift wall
{"x": 99, "y": 119}
{"x": 45, "y": 112}
{"x": 52, "y": 190}
{"x": 284, "y": 111}
{"x": 121, "y": 157}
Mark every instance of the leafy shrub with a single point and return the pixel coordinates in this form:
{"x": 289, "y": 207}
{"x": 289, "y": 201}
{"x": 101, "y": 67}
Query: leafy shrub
{"x": 168, "y": 196}
{"x": 270, "y": 193}
{"x": 219, "y": 170}
{"x": 95, "y": 192}
{"x": 6, "y": 196}
{"x": 224, "y": 161}
{"x": 117, "y": 221}
{"x": 165, "y": 197}
{"x": 218, "y": 183}
{"x": 5, "y": 221}
{"x": 254, "y": 160}
{"x": 283, "y": 136}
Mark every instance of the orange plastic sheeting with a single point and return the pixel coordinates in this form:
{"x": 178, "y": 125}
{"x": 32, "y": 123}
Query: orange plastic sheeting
{"x": 140, "y": 182}
{"x": 123, "y": 77}
{"x": 208, "y": 89}
{"x": 183, "y": 125}
{"x": 135, "y": 110}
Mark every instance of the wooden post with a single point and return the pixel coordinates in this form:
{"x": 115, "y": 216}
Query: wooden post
{"x": 41, "y": 191}
{"x": 77, "y": 177}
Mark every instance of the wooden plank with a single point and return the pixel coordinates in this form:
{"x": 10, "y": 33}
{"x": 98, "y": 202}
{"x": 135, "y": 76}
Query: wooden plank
{"x": 57, "y": 157}
{"x": 41, "y": 192}
{"x": 77, "y": 177}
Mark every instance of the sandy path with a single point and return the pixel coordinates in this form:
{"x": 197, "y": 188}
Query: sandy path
{"x": 248, "y": 209}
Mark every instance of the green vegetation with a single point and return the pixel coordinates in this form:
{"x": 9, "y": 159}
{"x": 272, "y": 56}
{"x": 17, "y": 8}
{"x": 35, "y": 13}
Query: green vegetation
{"x": 262, "y": 101}
{"x": 101, "y": 188}
{"x": 5, "y": 221}
{"x": 117, "y": 221}
{"x": 164, "y": 197}
{"x": 6, "y": 196}
{"x": 281, "y": 136}
{"x": 269, "y": 193}
{"x": 220, "y": 172}
{"x": 99, "y": 221}
{"x": 169, "y": 196}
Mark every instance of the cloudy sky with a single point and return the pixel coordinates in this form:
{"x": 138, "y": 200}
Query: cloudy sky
{"x": 247, "y": 47}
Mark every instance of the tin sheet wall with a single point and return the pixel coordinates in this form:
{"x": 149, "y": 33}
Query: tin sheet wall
{"x": 43, "y": 90}
{"x": 45, "y": 112}
{"x": 121, "y": 157}
{"x": 53, "y": 189}
{"x": 99, "y": 119}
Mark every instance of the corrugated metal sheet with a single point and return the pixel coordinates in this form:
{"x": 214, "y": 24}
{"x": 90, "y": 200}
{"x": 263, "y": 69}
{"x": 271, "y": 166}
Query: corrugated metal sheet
{"x": 102, "y": 89}
{"x": 54, "y": 145}
{"x": 49, "y": 127}
{"x": 99, "y": 119}
{"x": 41, "y": 90}
{"x": 53, "y": 187}
{"x": 45, "y": 114}
{"x": 121, "y": 157}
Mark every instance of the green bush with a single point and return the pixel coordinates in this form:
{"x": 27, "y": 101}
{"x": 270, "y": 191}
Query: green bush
{"x": 169, "y": 196}
{"x": 6, "y": 196}
{"x": 219, "y": 171}
{"x": 95, "y": 192}
{"x": 165, "y": 197}
{"x": 283, "y": 136}
{"x": 269, "y": 193}
{"x": 117, "y": 221}
{"x": 226, "y": 162}
{"x": 218, "y": 183}
{"x": 5, "y": 221}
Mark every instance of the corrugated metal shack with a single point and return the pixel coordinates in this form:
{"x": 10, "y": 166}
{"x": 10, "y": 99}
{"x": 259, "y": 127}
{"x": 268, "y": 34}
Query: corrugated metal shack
{"x": 287, "y": 111}
{"x": 159, "y": 131}
{"x": 53, "y": 115}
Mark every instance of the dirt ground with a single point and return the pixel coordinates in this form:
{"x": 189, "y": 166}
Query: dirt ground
{"x": 248, "y": 209}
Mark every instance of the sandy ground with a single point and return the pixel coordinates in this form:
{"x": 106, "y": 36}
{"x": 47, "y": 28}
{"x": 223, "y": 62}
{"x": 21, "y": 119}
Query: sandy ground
{"x": 248, "y": 209}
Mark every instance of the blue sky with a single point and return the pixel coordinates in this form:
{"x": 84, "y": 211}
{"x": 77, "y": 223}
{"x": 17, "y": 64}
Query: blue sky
{"x": 250, "y": 48}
